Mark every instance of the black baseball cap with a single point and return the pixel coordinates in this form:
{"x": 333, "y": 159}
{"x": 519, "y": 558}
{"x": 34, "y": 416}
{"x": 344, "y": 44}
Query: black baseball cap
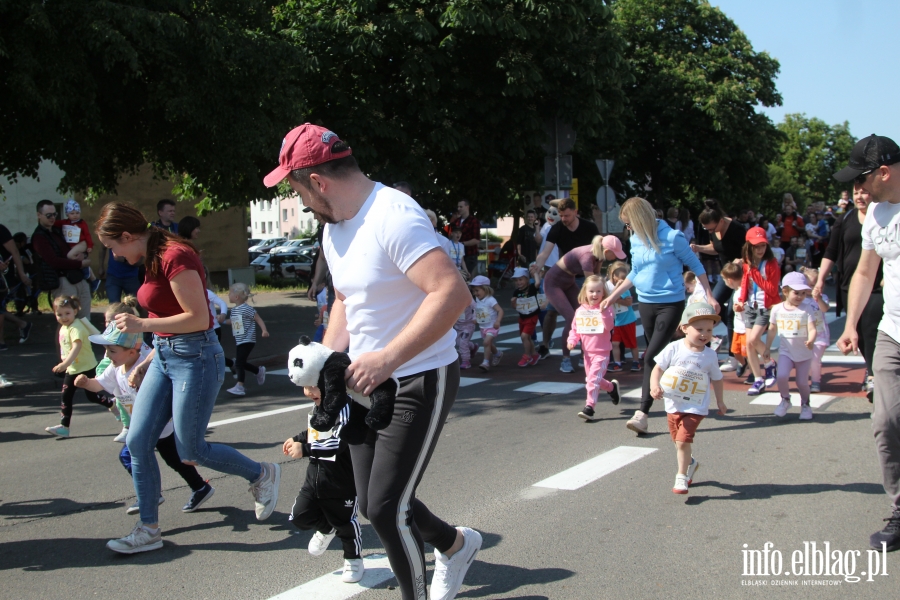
{"x": 868, "y": 154}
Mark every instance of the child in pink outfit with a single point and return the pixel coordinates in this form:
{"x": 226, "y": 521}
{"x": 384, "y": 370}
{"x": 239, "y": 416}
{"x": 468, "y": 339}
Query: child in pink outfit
{"x": 465, "y": 327}
{"x": 593, "y": 327}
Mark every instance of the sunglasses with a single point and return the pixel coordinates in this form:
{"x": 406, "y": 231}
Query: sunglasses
{"x": 628, "y": 226}
{"x": 52, "y": 215}
{"x": 861, "y": 178}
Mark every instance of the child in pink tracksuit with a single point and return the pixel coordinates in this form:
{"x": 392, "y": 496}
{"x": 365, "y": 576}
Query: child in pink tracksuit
{"x": 593, "y": 327}
{"x": 465, "y": 327}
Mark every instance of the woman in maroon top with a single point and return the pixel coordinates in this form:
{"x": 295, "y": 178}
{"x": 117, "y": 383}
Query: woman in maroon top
{"x": 182, "y": 376}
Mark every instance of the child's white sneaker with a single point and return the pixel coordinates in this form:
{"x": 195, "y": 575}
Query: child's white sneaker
{"x": 806, "y": 413}
{"x": 319, "y": 542}
{"x": 353, "y": 570}
{"x": 485, "y": 366}
{"x": 783, "y": 408}
{"x": 237, "y": 390}
{"x": 815, "y": 387}
{"x": 261, "y": 376}
{"x": 692, "y": 468}
{"x": 681, "y": 485}
{"x": 638, "y": 423}
{"x": 729, "y": 365}
{"x": 495, "y": 359}
{"x": 122, "y": 435}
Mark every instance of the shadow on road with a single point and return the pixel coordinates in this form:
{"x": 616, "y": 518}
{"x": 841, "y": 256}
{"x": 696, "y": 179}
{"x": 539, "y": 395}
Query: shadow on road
{"x": 764, "y": 491}
{"x": 50, "y": 507}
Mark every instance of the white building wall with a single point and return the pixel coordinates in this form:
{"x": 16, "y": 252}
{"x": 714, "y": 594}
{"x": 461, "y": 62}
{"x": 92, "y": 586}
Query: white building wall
{"x": 17, "y": 206}
{"x": 265, "y": 219}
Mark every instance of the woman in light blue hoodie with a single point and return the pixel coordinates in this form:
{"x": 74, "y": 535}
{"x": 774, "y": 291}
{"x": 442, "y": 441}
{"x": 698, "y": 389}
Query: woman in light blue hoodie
{"x": 658, "y": 257}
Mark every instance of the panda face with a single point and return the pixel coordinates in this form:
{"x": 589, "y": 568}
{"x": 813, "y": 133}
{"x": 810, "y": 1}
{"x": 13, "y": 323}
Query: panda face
{"x": 305, "y": 362}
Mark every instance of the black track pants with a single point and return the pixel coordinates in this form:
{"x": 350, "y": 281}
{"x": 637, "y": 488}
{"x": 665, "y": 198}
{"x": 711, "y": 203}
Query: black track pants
{"x": 327, "y": 514}
{"x": 660, "y": 322}
{"x": 388, "y": 469}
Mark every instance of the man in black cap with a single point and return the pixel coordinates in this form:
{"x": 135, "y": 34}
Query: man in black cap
{"x": 873, "y": 167}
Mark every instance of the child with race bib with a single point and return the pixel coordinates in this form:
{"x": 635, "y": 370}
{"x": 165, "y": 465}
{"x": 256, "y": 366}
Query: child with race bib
{"x": 526, "y": 304}
{"x": 794, "y": 323}
{"x": 625, "y": 330}
{"x": 759, "y": 293}
{"x": 731, "y": 274}
{"x": 465, "y": 327}
{"x": 593, "y": 328}
{"x": 488, "y": 315}
{"x": 823, "y": 334}
{"x": 244, "y": 320}
{"x": 128, "y": 304}
{"x": 683, "y": 374}
{"x": 77, "y": 359}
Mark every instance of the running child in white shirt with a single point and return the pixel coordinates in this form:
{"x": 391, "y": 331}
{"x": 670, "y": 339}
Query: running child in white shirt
{"x": 823, "y": 334}
{"x": 488, "y": 315}
{"x": 684, "y": 371}
{"x": 794, "y": 322}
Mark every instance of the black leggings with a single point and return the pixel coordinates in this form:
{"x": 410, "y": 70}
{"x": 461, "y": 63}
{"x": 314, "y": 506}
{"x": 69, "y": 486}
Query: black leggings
{"x": 169, "y": 453}
{"x": 387, "y": 469}
{"x": 228, "y": 362}
{"x": 241, "y": 354}
{"x": 326, "y": 515}
{"x": 660, "y": 322}
{"x": 68, "y": 396}
{"x": 867, "y": 327}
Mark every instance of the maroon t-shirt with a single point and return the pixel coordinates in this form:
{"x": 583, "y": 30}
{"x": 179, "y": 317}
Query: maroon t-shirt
{"x": 156, "y": 294}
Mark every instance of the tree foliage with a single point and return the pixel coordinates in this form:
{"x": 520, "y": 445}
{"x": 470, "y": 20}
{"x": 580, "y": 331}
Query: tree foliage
{"x": 809, "y": 152}
{"x": 691, "y": 129}
{"x": 453, "y": 95}
{"x": 201, "y": 90}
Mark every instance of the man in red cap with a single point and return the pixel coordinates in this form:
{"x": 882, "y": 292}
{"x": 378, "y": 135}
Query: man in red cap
{"x": 874, "y": 168}
{"x": 397, "y": 298}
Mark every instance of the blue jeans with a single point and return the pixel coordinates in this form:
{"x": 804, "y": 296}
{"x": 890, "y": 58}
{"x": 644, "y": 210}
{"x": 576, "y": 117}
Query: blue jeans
{"x": 115, "y": 286}
{"x": 182, "y": 383}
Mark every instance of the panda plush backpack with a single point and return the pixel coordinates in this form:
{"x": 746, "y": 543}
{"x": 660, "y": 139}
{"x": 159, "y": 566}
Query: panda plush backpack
{"x": 311, "y": 364}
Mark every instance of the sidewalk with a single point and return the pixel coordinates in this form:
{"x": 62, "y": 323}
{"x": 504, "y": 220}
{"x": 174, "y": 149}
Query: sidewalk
{"x": 287, "y": 315}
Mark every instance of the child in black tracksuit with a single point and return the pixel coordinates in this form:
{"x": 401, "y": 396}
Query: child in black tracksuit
{"x": 327, "y": 500}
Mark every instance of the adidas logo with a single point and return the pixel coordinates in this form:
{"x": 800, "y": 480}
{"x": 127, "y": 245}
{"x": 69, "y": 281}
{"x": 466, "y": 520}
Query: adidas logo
{"x": 348, "y": 503}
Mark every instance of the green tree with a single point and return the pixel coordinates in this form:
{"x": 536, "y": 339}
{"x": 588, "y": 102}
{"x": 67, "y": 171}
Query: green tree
{"x": 809, "y": 152}
{"x": 201, "y": 90}
{"x": 452, "y": 96}
{"x": 692, "y": 129}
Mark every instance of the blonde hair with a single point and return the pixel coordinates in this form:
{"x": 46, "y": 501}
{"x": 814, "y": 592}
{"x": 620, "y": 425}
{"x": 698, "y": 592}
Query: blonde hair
{"x": 241, "y": 291}
{"x": 615, "y": 268}
{"x": 129, "y": 304}
{"x": 487, "y": 289}
{"x": 689, "y": 277}
{"x": 811, "y": 274}
{"x": 582, "y": 295}
{"x": 597, "y": 248}
{"x": 643, "y": 220}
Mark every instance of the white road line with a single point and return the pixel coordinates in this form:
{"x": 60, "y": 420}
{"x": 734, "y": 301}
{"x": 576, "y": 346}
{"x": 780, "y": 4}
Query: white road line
{"x": 595, "y": 468}
{"x": 278, "y": 372}
{"x": 467, "y": 381}
{"x": 330, "y": 587}
{"x": 774, "y": 399}
{"x": 260, "y": 415}
{"x": 551, "y": 387}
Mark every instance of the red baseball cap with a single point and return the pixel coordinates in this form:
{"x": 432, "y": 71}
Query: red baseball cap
{"x": 306, "y": 146}
{"x": 757, "y": 235}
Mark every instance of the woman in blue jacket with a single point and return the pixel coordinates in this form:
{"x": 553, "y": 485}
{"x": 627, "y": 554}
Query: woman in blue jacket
{"x": 659, "y": 255}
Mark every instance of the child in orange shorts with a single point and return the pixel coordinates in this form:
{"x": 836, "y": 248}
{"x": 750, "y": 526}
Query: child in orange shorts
{"x": 684, "y": 372}
{"x": 731, "y": 275}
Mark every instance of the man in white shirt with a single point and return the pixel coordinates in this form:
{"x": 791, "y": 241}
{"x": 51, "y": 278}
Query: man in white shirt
{"x": 397, "y": 298}
{"x": 873, "y": 167}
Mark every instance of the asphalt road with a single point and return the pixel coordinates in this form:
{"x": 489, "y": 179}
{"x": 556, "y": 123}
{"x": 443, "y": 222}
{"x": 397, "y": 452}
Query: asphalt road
{"x": 623, "y": 535}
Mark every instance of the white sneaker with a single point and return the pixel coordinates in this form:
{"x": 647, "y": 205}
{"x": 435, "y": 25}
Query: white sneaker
{"x": 783, "y": 408}
{"x": 136, "y": 508}
{"x": 319, "y": 543}
{"x": 139, "y": 540}
{"x": 261, "y": 376}
{"x": 450, "y": 572}
{"x": 237, "y": 390}
{"x": 806, "y": 413}
{"x": 638, "y": 423}
{"x": 4, "y": 382}
{"x": 353, "y": 570}
{"x": 566, "y": 365}
{"x": 495, "y": 359}
{"x": 265, "y": 490}
{"x": 122, "y": 435}
{"x": 692, "y": 468}
{"x": 729, "y": 365}
{"x": 681, "y": 485}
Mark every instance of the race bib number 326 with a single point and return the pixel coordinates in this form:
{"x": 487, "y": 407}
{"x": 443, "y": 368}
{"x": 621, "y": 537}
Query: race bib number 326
{"x": 589, "y": 321}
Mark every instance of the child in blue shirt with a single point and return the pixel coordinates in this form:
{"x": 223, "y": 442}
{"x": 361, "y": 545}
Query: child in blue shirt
{"x": 625, "y": 329}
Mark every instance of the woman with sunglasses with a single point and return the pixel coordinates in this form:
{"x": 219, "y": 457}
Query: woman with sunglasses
{"x": 658, "y": 257}
{"x": 727, "y": 241}
{"x": 183, "y": 374}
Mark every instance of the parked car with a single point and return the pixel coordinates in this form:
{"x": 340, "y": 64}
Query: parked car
{"x": 286, "y": 246}
{"x": 276, "y": 265}
{"x": 253, "y": 242}
{"x": 264, "y": 247}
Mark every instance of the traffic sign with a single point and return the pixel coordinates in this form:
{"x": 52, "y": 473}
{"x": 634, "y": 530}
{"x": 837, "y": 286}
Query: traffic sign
{"x": 606, "y": 198}
{"x": 606, "y": 166}
{"x": 560, "y": 137}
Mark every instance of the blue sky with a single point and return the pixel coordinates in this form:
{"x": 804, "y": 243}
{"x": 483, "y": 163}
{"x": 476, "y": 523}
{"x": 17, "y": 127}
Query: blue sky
{"x": 840, "y": 59}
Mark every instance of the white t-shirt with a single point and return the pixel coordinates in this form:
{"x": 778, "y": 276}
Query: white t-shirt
{"x": 457, "y": 253}
{"x": 793, "y": 329}
{"x": 554, "y": 256}
{"x": 369, "y": 256}
{"x": 485, "y": 313}
{"x": 881, "y": 233}
{"x": 698, "y": 295}
{"x": 739, "y": 326}
{"x": 444, "y": 243}
{"x": 770, "y": 234}
{"x": 779, "y": 254}
{"x": 687, "y": 231}
{"x": 823, "y": 334}
{"x": 216, "y": 303}
{"x": 115, "y": 381}
{"x": 687, "y": 377}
